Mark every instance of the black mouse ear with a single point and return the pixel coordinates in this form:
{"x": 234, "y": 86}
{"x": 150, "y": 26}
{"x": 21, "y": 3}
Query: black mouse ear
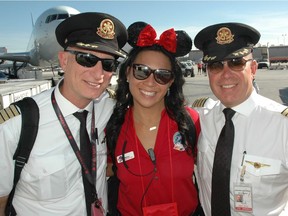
{"x": 184, "y": 43}
{"x": 133, "y": 32}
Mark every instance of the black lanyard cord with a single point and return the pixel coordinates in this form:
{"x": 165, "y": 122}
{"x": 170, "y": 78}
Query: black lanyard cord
{"x": 90, "y": 174}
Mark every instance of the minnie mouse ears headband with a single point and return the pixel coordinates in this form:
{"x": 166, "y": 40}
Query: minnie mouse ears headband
{"x": 141, "y": 34}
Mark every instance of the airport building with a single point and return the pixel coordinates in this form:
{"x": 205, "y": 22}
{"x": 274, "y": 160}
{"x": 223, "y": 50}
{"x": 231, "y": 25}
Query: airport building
{"x": 272, "y": 54}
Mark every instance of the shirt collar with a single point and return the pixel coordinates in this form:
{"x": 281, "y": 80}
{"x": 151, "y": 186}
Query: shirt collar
{"x": 66, "y": 107}
{"x": 248, "y": 105}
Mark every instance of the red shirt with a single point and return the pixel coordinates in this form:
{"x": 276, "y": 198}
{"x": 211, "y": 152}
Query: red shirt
{"x": 172, "y": 181}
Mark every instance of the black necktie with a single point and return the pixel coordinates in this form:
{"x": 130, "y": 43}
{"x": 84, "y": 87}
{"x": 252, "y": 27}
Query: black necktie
{"x": 85, "y": 147}
{"x": 86, "y": 153}
{"x": 220, "y": 201}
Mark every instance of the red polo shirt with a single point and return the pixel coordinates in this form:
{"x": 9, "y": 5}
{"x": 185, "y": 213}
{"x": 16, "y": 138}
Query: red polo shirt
{"x": 172, "y": 180}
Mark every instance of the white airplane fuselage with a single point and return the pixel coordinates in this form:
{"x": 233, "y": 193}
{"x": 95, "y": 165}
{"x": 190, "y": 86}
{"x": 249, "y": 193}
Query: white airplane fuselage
{"x": 43, "y": 47}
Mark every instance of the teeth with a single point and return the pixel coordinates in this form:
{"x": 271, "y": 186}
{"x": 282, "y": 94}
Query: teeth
{"x": 148, "y": 93}
{"x": 93, "y": 84}
{"x": 228, "y": 86}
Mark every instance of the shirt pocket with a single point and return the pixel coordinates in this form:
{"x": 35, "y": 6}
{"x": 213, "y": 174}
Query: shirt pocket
{"x": 203, "y": 158}
{"x": 262, "y": 173}
{"x": 44, "y": 178}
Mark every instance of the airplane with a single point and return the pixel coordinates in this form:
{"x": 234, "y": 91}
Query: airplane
{"x": 43, "y": 47}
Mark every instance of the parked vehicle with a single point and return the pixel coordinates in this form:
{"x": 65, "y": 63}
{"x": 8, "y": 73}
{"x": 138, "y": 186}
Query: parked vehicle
{"x": 3, "y": 76}
{"x": 263, "y": 65}
{"x": 187, "y": 69}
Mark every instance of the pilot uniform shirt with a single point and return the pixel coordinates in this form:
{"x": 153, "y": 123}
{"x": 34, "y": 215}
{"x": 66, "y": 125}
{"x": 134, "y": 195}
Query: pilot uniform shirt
{"x": 51, "y": 182}
{"x": 173, "y": 166}
{"x": 260, "y": 131}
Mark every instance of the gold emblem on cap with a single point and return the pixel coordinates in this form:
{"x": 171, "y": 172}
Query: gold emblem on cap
{"x": 224, "y": 36}
{"x": 106, "y": 29}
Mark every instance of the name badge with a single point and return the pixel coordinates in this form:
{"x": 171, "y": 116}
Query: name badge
{"x": 128, "y": 156}
{"x": 243, "y": 199}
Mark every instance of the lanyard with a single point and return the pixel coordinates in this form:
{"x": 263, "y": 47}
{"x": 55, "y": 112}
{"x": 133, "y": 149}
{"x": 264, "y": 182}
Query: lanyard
{"x": 137, "y": 144}
{"x": 90, "y": 175}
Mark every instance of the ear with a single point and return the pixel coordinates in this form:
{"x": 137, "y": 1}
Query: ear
{"x": 170, "y": 83}
{"x": 254, "y": 66}
{"x": 63, "y": 59}
{"x": 127, "y": 73}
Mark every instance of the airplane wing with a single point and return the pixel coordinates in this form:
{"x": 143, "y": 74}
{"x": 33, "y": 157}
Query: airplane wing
{"x": 18, "y": 57}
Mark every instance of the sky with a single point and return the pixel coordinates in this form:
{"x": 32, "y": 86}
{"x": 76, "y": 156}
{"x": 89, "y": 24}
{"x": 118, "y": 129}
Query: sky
{"x": 270, "y": 18}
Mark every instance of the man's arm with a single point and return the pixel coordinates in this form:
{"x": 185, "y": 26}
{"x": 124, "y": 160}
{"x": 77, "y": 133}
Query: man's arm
{"x": 3, "y": 201}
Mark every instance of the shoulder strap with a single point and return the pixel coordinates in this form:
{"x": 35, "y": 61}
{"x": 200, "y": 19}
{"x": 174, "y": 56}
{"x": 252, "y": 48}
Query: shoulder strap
{"x": 200, "y": 102}
{"x": 29, "y": 129}
{"x": 30, "y": 120}
{"x": 8, "y": 113}
{"x": 111, "y": 92}
{"x": 285, "y": 112}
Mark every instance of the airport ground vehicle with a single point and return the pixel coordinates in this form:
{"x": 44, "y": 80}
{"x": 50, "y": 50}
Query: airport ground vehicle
{"x": 3, "y": 76}
{"x": 263, "y": 65}
{"x": 187, "y": 69}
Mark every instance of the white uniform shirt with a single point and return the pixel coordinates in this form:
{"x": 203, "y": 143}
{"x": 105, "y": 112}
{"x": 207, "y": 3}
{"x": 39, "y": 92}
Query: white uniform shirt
{"x": 262, "y": 132}
{"x": 51, "y": 181}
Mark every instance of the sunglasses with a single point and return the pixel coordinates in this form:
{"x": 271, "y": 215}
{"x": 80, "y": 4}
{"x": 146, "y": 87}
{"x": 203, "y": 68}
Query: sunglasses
{"x": 90, "y": 60}
{"x": 235, "y": 64}
{"x": 161, "y": 76}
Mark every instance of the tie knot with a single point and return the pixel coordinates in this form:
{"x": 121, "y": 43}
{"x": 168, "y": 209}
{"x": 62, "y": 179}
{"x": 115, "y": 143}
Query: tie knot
{"x": 81, "y": 116}
{"x": 229, "y": 113}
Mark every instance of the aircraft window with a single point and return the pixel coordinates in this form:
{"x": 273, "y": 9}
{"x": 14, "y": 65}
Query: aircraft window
{"x": 47, "y": 19}
{"x": 62, "y": 16}
{"x": 53, "y": 17}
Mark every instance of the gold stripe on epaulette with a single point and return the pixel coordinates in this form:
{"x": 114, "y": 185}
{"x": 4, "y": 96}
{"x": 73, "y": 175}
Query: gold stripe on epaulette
{"x": 285, "y": 112}
{"x": 199, "y": 102}
{"x": 111, "y": 92}
{"x": 8, "y": 113}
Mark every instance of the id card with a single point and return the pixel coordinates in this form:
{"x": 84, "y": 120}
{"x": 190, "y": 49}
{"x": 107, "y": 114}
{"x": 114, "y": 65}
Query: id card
{"x": 243, "y": 199}
{"x": 97, "y": 209}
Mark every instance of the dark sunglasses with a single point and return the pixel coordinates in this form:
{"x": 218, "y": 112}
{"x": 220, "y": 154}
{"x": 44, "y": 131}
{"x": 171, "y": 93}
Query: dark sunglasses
{"x": 236, "y": 64}
{"x": 90, "y": 60}
{"x": 161, "y": 76}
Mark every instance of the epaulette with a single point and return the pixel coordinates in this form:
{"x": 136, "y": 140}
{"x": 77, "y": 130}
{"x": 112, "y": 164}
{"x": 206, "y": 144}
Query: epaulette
{"x": 111, "y": 92}
{"x": 285, "y": 112}
{"x": 8, "y": 113}
{"x": 200, "y": 102}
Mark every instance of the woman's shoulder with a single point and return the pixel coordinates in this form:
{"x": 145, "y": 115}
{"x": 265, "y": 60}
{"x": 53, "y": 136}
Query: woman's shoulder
{"x": 192, "y": 112}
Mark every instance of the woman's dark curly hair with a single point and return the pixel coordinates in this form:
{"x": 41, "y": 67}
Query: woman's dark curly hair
{"x": 174, "y": 102}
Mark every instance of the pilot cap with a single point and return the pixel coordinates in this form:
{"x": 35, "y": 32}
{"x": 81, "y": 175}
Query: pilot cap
{"x": 93, "y": 31}
{"x": 225, "y": 41}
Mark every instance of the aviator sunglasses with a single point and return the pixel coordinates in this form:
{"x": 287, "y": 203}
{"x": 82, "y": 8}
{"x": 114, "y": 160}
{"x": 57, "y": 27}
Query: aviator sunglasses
{"x": 161, "y": 76}
{"x": 90, "y": 60}
{"x": 235, "y": 64}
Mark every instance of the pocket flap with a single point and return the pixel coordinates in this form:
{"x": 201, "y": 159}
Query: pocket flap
{"x": 260, "y": 166}
{"x": 45, "y": 166}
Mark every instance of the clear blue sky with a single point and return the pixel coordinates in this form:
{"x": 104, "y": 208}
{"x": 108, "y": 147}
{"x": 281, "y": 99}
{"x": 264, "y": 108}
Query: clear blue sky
{"x": 269, "y": 17}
